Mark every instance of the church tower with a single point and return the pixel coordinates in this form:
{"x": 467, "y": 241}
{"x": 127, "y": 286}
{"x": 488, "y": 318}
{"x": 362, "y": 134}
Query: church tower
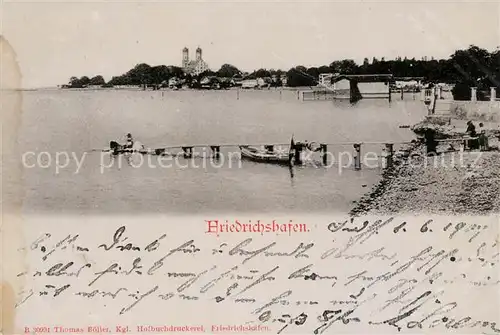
{"x": 198, "y": 54}
{"x": 185, "y": 57}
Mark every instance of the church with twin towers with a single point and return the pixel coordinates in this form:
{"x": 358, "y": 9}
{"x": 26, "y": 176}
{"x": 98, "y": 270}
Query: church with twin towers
{"x": 196, "y": 66}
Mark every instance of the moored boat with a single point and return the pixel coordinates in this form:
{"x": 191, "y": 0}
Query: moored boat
{"x": 265, "y": 156}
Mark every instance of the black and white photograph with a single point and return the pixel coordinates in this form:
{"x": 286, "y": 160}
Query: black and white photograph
{"x": 288, "y": 166}
{"x": 268, "y": 111}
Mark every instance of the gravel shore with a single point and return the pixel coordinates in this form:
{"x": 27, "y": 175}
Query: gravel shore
{"x": 453, "y": 182}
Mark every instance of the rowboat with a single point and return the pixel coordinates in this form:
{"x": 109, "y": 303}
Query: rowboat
{"x": 265, "y": 156}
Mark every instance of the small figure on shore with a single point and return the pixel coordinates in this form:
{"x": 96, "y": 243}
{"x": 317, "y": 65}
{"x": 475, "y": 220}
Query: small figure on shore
{"x": 483, "y": 138}
{"x": 471, "y": 131}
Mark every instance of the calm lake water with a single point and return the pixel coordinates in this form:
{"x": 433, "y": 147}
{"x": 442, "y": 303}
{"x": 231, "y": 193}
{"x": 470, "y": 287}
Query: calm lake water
{"x": 76, "y": 122}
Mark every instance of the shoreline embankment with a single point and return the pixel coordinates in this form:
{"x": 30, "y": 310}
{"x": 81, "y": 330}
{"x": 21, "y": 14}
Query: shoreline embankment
{"x": 452, "y": 182}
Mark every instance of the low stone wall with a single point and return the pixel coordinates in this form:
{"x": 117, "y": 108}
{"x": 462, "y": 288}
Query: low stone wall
{"x": 476, "y": 110}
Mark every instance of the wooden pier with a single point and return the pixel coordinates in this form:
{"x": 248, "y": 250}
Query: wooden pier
{"x": 324, "y": 95}
{"x": 214, "y": 150}
{"x": 319, "y": 95}
{"x": 321, "y": 148}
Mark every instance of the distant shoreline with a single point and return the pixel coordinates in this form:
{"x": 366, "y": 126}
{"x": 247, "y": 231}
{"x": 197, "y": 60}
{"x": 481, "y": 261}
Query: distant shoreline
{"x": 136, "y": 88}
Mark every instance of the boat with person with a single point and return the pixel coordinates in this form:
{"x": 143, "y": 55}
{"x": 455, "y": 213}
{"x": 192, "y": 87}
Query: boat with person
{"x": 116, "y": 148}
{"x": 266, "y": 155}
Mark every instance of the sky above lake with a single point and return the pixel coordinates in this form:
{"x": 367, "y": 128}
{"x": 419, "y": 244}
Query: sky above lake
{"x": 56, "y": 40}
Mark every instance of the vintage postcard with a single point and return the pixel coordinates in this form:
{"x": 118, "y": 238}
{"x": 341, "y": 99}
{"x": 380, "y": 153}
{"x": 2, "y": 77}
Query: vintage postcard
{"x": 235, "y": 167}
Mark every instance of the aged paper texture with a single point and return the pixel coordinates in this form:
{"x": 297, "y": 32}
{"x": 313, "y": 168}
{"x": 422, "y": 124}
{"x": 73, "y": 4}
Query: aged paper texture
{"x": 250, "y": 167}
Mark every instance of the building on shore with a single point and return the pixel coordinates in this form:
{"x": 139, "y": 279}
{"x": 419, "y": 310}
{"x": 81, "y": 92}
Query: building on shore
{"x": 355, "y": 87}
{"x": 193, "y": 67}
{"x": 325, "y": 79}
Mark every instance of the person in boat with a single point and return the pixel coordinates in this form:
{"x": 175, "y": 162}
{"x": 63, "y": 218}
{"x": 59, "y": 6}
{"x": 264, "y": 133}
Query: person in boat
{"x": 269, "y": 149}
{"x": 130, "y": 141}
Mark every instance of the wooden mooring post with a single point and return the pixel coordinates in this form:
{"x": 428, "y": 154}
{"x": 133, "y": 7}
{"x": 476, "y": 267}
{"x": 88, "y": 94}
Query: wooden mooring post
{"x": 188, "y": 151}
{"x": 389, "y": 148}
{"x": 390, "y": 93}
{"x": 357, "y": 156}
{"x": 215, "y": 151}
{"x": 324, "y": 153}
{"x": 298, "y": 153}
{"x": 434, "y": 101}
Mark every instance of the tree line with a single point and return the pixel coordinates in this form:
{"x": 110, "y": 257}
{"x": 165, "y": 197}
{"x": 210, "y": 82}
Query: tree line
{"x": 471, "y": 67}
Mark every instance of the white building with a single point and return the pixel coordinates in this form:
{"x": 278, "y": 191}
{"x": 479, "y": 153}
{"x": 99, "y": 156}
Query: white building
{"x": 249, "y": 83}
{"x": 325, "y": 80}
{"x": 194, "y": 67}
